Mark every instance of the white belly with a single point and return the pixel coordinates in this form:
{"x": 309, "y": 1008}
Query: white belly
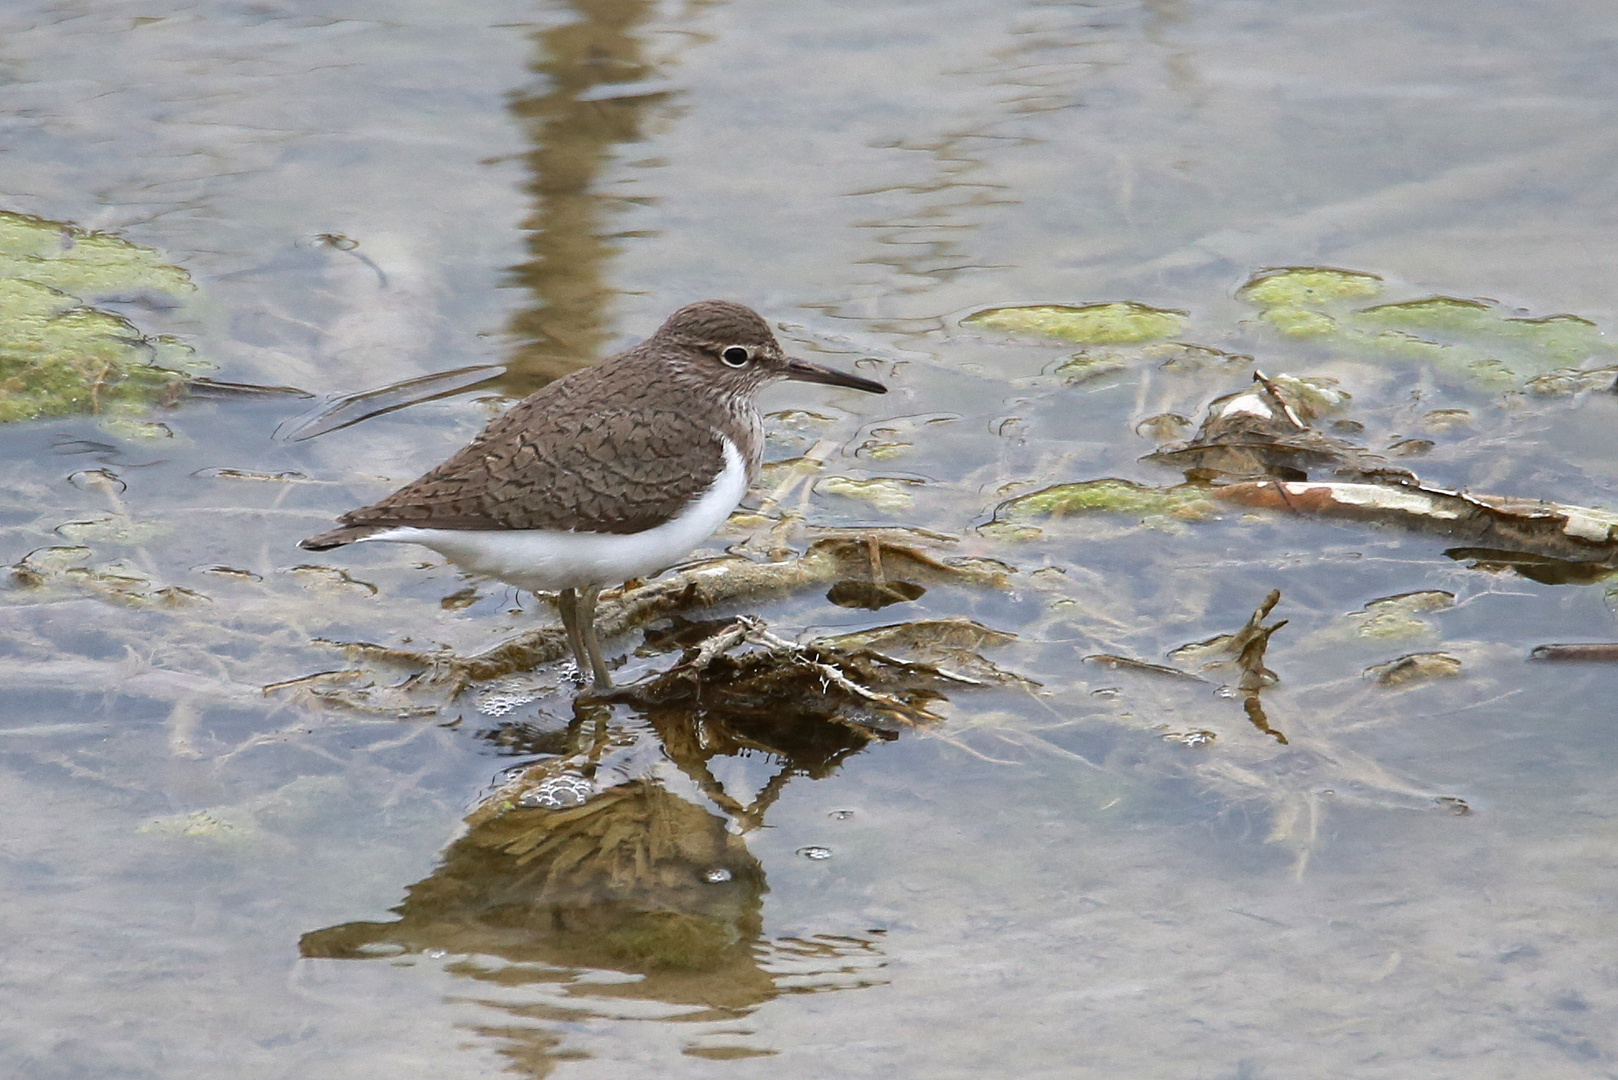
{"x": 546, "y": 559}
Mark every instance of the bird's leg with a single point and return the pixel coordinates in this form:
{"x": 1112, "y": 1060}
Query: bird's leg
{"x": 586, "y": 615}
{"x": 567, "y": 602}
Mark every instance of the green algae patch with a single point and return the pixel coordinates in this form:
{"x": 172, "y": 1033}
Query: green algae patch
{"x": 132, "y": 430}
{"x": 1396, "y": 617}
{"x": 1121, "y": 323}
{"x": 1299, "y": 322}
{"x": 1478, "y": 342}
{"x": 1109, "y": 496}
{"x": 201, "y": 825}
{"x": 1293, "y": 297}
{"x": 1553, "y": 341}
{"x": 59, "y": 354}
{"x": 1308, "y": 286}
{"x": 82, "y": 263}
{"x": 1178, "y": 357}
{"x": 1087, "y": 365}
{"x": 883, "y": 492}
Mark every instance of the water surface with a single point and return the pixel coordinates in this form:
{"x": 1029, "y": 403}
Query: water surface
{"x": 1104, "y": 875}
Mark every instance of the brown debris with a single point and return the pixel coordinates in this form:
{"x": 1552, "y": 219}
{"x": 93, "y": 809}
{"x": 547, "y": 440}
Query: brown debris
{"x": 1264, "y": 431}
{"x": 1507, "y": 526}
{"x": 845, "y": 680}
{"x": 1259, "y": 449}
{"x": 1605, "y": 651}
{"x": 706, "y": 584}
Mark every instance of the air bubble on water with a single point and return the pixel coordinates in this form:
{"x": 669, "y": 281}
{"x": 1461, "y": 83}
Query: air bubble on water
{"x": 716, "y": 876}
{"x": 559, "y": 793}
{"x": 815, "y": 852}
{"x": 505, "y": 697}
{"x": 1106, "y": 692}
{"x": 840, "y": 815}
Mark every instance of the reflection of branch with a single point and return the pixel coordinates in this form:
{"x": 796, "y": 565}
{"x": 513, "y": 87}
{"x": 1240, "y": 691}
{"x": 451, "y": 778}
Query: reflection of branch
{"x": 1250, "y": 643}
{"x": 749, "y": 816}
{"x": 1255, "y": 713}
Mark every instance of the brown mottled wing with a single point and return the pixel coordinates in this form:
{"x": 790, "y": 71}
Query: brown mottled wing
{"x": 619, "y": 470}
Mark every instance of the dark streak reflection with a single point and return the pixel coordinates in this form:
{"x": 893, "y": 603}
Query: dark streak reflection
{"x": 595, "y": 96}
{"x": 574, "y": 122}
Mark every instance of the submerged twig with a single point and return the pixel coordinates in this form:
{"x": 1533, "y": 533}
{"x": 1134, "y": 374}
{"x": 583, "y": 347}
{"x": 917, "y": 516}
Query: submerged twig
{"x": 1596, "y": 650}
{"x": 706, "y": 584}
{"x": 807, "y": 656}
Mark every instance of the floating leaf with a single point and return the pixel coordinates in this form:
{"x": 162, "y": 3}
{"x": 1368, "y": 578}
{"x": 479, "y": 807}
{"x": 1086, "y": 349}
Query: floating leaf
{"x": 1126, "y": 663}
{"x": 112, "y": 528}
{"x": 1478, "y": 340}
{"x": 874, "y": 595}
{"x": 1444, "y": 420}
{"x": 1398, "y": 616}
{"x": 201, "y": 825}
{"x": 797, "y": 420}
{"x": 1163, "y": 426}
{"x": 1580, "y": 539}
{"x": 1602, "y": 651}
{"x": 287, "y": 477}
{"x": 1109, "y": 496}
{"x": 1570, "y": 381}
{"x": 1087, "y": 365}
{"x": 1184, "y": 357}
{"x": 326, "y": 579}
{"x": 1566, "y": 339}
{"x": 1121, "y": 323}
{"x": 131, "y": 430}
{"x": 230, "y": 572}
{"x": 42, "y": 564}
{"x": 882, "y": 492}
{"x": 1416, "y": 667}
{"x": 1295, "y": 286}
{"x": 1300, "y": 322}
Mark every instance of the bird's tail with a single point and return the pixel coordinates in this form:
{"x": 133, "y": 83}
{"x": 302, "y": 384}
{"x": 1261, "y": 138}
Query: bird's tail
{"x": 338, "y": 537}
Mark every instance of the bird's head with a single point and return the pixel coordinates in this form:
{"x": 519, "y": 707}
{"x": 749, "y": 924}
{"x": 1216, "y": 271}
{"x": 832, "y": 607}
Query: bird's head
{"x": 731, "y": 345}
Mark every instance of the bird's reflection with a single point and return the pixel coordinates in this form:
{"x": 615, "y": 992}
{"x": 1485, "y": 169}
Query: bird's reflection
{"x": 589, "y": 863}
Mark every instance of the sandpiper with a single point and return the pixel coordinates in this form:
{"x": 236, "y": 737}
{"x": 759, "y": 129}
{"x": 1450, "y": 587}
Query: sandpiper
{"x": 613, "y": 472}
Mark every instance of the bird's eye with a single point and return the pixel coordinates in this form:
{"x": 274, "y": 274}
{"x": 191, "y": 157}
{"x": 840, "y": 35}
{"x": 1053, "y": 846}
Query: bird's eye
{"x": 736, "y": 356}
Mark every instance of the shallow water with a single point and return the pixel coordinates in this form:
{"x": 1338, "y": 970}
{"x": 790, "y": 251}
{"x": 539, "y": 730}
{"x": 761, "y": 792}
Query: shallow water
{"x": 1107, "y": 874}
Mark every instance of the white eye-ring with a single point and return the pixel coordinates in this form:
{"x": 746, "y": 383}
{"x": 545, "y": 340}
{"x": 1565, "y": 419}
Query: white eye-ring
{"x": 736, "y": 356}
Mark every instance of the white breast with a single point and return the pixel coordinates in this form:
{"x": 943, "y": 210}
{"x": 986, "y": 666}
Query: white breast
{"x": 546, "y": 559}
